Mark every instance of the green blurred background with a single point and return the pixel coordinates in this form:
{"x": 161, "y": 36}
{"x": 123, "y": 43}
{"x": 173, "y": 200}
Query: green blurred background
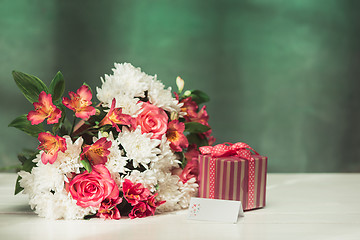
{"x": 282, "y": 75}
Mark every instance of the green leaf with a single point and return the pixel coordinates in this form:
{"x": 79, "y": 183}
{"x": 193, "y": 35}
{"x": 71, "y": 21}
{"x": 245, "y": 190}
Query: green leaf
{"x": 18, "y": 188}
{"x": 25, "y": 125}
{"x": 29, "y": 85}
{"x": 199, "y": 96}
{"x": 195, "y": 138}
{"x": 27, "y": 159}
{"x": 86, "y": 165}
{"x": 195, "y": 127}
{"x": 57, "y": 86}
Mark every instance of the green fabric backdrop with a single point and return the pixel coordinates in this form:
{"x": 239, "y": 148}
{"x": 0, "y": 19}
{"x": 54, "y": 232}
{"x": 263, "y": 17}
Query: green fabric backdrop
{"x": 283, "y": 76}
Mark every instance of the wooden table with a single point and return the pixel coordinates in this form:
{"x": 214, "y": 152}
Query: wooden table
{"x": 299, "y": 206}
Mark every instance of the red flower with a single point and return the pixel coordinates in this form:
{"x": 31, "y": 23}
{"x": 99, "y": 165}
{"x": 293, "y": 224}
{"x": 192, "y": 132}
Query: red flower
{"x": 152, "y": 204}
{"x": 144, "y": 209}
{"x": 80, "y": 102}
{"x": 175, "y": 135}
{"x": 115, "y": 117}
{"x": 134, "y": 193}
{"x": 44, "y": 108}
{"x": 191, "y": 170}
{"x": 51, "y": 145}
{"x": 140, "y": 210}
{"x": 108, "y": 209}
{"x": 97, "y": 152}
{"x": 190, "y": 107}
{"x": 192, "y": 152}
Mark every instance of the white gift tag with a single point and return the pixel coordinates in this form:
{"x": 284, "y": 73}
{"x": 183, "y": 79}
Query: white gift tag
{"x": 206, "y": 209}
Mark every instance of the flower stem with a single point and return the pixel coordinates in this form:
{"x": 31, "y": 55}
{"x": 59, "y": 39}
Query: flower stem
{"x": 73, "y": 125}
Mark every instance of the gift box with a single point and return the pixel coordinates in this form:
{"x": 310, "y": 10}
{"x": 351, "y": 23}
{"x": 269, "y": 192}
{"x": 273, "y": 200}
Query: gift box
{"x": 233, "y": 172}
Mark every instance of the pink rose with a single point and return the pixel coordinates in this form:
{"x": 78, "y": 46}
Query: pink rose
{"x": 152, "y": 120}
{"x": 90, "y": 189}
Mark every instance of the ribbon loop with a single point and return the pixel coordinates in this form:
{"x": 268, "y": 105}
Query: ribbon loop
{"x": 228, "y": 149}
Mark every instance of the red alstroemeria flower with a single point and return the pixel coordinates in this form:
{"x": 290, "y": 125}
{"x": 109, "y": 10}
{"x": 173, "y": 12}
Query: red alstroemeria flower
{"x": 152, "y": 204}
{"x": 190, "y": 171}
{"x": 44, "y": 108}
{"x": 134, "y": 193}
{"x": 97, "y": 152}
{"x": 51, "y": 145}
{"x": 108, "y": 209}
{"x": 80, "y": 102}
{"x": 176, "y": 136}
{"x": 190, "y": 107}
{"x": 115, "y": 117}
{"x": 192, "y": 152}
{"x": 146, "y": 208}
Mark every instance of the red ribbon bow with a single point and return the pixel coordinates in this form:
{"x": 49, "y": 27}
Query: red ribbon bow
{"x": 228, "y": 149}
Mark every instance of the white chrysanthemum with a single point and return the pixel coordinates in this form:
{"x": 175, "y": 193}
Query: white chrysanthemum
{"x": 168, "y": 190}
{"x": 188, "y": 190}
{"x": 126, "y": 85}
{"x": 147, "y": 178}
{"x": 59, "y": 205}
{"x": 116, "y": 161}
{"x": 43, "y": 178}
{"x": 68, "y": 161}
{"x": 167, "y": 159}
{"x": 162, "y": 98}
{"x": 139, "y": 147}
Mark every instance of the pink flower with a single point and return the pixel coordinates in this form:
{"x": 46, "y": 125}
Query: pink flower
{"x": 191, "y": 170}
{"x": 152, "y": 204}
{"x": 144, "y": 209}
{"x": 134, "y": 193}
{"x": 190, "y": 107}
{"x": 44, "y": 109}
{"x": 91, "y": 189}
{"x": 176, "y": 136}
{"x": 152, "y": 120}
{"x": 115, "y": 117}
{"x": 51, "y": 145}
{"x": 97, "y": 152}
{"x": 108, "y": 209}
{"x": 140, "y": 210}
{"x": 80, "y": 102}
{"x": 192, "y": 152}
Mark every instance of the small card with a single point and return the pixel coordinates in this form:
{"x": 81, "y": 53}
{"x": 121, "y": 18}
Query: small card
{"x": 206, "y": 209}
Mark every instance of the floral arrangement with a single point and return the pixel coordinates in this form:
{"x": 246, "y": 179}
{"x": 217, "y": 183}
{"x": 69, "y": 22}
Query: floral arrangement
{"x": 132, "y": 153}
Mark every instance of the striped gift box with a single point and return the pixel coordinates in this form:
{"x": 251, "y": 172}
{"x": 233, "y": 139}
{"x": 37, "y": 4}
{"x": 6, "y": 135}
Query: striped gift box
{"x": 230, "y": 176}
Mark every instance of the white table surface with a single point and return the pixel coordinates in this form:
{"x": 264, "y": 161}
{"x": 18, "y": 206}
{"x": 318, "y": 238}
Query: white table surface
{"x": 299, "y": 206}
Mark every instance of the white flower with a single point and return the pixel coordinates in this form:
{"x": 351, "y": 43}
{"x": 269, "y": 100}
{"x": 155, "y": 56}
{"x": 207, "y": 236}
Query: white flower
{"x": 167, "y": 159}
{"x": 139, "y": 147}
{"x": 162, "y": 98}
{"x": 59, "y": 205}
{"x": 127, "y": 84}
{"x": 147, "y": 178}
{"x": 69, "y": 161}
{"x": 168, "y": 190}
{"x": 188, "y": 190}
{"x": 116, "y": 161}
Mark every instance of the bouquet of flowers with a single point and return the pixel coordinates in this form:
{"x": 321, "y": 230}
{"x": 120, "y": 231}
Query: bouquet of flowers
{"x": 132, "y": 153}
